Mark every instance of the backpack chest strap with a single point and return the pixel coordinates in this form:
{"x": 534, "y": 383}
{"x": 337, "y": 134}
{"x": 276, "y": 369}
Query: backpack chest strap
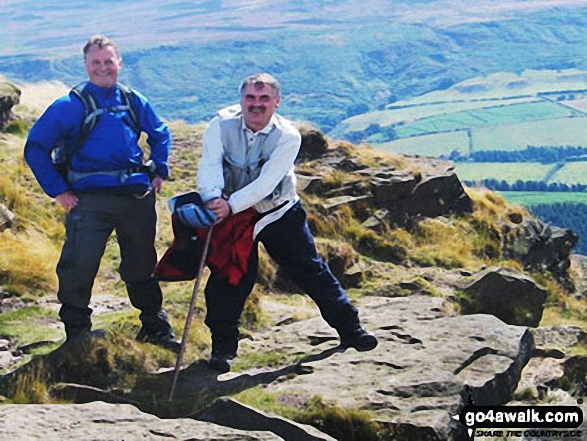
{"x": 100, "y": 111}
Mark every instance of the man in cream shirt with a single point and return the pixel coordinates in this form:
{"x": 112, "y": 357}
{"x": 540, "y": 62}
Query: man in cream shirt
{"x": 248, "y": 162}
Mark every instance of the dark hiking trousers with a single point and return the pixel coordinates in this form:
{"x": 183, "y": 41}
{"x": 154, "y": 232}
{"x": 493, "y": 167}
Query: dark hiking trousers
{"x": 290, "y": 243}
{"x": 88, "y": 227}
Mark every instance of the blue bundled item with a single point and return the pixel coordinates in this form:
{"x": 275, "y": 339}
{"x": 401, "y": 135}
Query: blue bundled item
{"x": 190, "y": 210}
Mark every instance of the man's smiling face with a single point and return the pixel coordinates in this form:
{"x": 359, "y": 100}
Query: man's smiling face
{"x": 103, "y": 65}
{"x": 258, "y": 104}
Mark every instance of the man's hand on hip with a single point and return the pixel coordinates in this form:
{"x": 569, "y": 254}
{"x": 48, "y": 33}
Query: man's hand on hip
{"x": 157, "y": 183}
{"x": 67, "y": 200}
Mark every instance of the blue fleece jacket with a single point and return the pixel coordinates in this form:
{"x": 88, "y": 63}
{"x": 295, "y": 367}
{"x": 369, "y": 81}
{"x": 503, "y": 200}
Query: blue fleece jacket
{"x": 112, "y": 145}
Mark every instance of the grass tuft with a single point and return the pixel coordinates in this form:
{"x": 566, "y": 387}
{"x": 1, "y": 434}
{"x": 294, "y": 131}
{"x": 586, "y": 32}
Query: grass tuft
{"x": 341, "y": 423}
{"x": 17, "y": 127}
{"x": 27, "y": 263}
{"x": 31, "y": 387}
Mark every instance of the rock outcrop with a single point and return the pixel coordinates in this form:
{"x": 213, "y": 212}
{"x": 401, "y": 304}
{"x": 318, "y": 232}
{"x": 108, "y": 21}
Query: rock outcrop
{"x": 422, "y": 187}
{"x": 434, "y": 191}
{"x": 554, "y": 338}
{"x": 426, "y": 368}
{"x": 539, "y": 246}
{"x": 551, "y": 367}
{"x": 509, "y": 295}
{"x": 403, "y": 196}
{"x": 553, "y": 378}
{"x": 109, "y": 422}
{"x": 9, "y": 97}
{"x": 314, "y": 144}
{"x": 6, "y": 218}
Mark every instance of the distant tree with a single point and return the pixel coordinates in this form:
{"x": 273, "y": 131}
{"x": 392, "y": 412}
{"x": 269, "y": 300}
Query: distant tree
{"x": 566, "y": 215}
{"x": 445, "y": 84}
{"x": 544, "y": 155}
{"x": 457, "y": 156}
{"x": 356, "y": 109}
{"x": 389, "y": 133}
{"x": 386, "y": 133}
{"x": 531, "y": 186}
{"x": 391, "y": 99}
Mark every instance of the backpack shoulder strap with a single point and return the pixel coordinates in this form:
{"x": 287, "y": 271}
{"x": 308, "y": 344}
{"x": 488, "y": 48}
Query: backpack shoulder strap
{"x": 62, "y": 156}
{"x": 90, "y": 109}
{"x": 129, "y": 99}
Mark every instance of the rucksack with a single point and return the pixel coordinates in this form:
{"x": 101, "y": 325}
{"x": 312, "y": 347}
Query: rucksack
{"x": 62, "y": 157}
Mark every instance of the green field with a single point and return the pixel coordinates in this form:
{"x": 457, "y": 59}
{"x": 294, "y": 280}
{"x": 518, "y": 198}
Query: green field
{"x": 409, "y": 113}
{"x": 509, "y": 171}
{"x": 428, "y": 145}
{"x": 509, "y": 137}
{"x": 504, "y": 84}
{"x": 554, "y": 132}
{"x": 502, "y": 111}
{"x": 530, "y": 198}
{"x": 496, "y": 99}
{"x": 571, "y": 173}
{"x": 486, "y": 117}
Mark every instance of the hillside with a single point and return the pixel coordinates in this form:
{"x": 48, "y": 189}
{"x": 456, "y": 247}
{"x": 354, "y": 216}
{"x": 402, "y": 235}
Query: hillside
{"x": 335, "y": 59}
{"x": 449, "y": 79}
{"x": 510, "y": 133}
{"x": 502, "y": 111}
{"x": 423, "y": 257}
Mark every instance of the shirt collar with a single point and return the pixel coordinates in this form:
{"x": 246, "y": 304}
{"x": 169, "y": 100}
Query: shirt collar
{"x": 265, "y": 130}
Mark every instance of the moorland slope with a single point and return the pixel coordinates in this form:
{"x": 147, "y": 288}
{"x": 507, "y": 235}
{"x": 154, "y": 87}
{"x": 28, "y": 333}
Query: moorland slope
{"x": 472, "y": 299}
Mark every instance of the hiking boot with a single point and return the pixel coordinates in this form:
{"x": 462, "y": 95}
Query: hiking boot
{"x": 359, "y": 339}
{"x": 220, "y": 361}
{"x": 223, "y": 350}
{"x": 83, "y": 335}
{"x": 165, "y": 339}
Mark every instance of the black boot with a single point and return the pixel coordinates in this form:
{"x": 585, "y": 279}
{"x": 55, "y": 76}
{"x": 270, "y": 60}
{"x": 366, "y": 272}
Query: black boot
{"x": 157, "y": 331}
{"x": 357, "y": 338}
{"x": 77, "y": 322}
{"x": 223, "y": 350}
{"x": 77, "y": 338}
{"x": 166, "y": 340}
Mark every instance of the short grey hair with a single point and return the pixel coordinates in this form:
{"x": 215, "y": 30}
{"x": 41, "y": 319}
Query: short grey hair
{"x": 261, "y": 79}
{"x": 100, "y": 41}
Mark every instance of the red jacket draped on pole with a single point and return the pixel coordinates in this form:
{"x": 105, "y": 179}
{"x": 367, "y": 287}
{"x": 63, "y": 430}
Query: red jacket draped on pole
{"x": 231, "y": 245}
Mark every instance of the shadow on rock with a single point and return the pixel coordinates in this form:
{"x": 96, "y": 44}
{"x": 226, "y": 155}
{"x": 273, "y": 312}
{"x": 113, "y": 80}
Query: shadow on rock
{"x": 198, "y": 386}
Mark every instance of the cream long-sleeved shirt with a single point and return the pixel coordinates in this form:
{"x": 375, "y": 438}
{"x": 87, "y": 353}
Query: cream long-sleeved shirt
{"x": 277, "y": 172}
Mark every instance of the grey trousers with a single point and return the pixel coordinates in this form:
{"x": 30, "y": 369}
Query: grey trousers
{"x": 88, "y": 227}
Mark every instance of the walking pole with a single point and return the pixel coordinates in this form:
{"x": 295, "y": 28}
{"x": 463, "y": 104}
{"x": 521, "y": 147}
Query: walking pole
{"x": 188, "y": 320}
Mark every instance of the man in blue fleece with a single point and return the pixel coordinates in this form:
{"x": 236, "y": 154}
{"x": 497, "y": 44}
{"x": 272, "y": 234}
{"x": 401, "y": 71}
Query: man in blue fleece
{"x": 103, "y": 186}
{"x": 248, "y": 163}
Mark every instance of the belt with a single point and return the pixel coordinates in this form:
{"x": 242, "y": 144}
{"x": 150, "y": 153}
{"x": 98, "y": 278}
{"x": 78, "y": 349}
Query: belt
{"x": 122, "y": 175}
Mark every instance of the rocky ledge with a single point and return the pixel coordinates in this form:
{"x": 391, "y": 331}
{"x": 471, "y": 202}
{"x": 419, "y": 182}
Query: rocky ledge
{"x": 428, "y": 365}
